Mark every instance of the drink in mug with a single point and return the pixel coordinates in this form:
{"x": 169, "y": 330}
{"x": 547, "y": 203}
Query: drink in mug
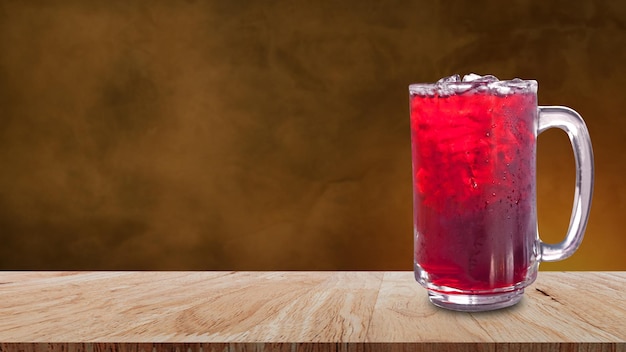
{"x": 475, "y": 223}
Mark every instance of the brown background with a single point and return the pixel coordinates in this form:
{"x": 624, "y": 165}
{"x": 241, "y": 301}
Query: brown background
{"x": 275, "y": 134}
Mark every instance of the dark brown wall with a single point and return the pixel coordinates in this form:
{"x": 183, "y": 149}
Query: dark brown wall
{"x": 274, "y": 134}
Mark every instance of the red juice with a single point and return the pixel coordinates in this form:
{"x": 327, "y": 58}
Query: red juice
{"x": 474, "y": 193}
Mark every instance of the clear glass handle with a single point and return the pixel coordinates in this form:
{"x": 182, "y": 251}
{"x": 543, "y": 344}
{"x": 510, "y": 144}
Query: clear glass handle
{"x": 572, "y": 123}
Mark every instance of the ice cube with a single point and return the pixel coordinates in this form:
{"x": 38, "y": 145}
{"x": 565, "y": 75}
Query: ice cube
{"x": 472, "y": 77}
{"x": 453, "y": 78}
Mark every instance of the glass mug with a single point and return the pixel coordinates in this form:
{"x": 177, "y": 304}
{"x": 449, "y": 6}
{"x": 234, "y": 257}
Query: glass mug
{"x": 475, "y": 224}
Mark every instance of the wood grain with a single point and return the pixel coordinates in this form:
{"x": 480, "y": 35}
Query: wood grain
{"x": 309, "y": 311}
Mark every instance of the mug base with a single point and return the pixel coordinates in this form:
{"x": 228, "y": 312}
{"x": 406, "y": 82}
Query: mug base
{"x": 475, "y": 303}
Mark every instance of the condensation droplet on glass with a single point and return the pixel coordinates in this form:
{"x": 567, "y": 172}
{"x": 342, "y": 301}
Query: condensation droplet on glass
{"x": 487, "y": 134}
{"x": 493, "y": 194}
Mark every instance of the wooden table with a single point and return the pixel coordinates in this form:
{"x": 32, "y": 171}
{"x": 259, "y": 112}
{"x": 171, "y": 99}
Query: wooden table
{"x": 288, "y": 311}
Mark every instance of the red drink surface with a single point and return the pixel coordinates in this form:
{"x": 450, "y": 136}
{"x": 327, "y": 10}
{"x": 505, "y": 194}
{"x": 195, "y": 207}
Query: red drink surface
{"x": 474, "y": 193}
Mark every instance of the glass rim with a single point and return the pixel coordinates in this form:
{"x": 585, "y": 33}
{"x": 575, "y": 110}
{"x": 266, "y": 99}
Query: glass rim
{"x": 444, "y": 88}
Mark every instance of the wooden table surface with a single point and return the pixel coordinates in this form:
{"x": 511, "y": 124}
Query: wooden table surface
{"x": 298, "y": 311}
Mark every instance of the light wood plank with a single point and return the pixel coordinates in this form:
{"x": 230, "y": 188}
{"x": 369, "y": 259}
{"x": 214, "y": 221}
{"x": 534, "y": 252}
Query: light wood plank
{"x": 294, "y": 311}
{"x": 187, "y": 306}
{"x": 558, "y": 307}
